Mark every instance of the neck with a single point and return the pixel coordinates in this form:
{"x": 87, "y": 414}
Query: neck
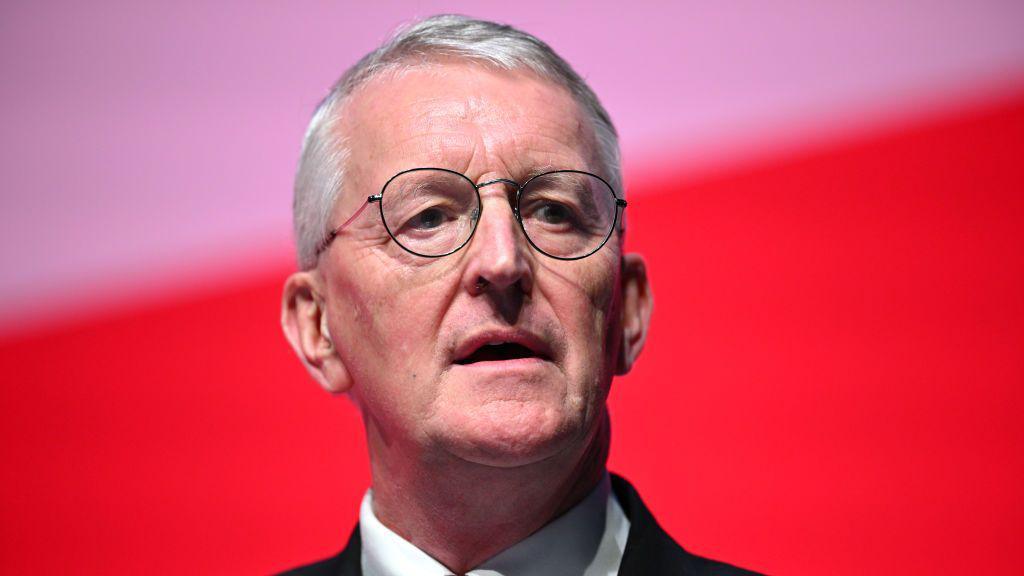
{"x": 462, "y": 513}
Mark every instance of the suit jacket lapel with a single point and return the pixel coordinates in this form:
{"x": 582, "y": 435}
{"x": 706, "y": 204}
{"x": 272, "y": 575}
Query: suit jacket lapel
{"x": 350, "y": 561}
{"x": 651, "y": 551}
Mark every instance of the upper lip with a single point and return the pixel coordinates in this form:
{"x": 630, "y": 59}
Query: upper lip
{"x": 536, "y": 344}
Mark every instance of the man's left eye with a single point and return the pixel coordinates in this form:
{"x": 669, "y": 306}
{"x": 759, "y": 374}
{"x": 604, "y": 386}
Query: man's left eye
{"x": 552, "y": 213}
{"x": 555, "y": 216}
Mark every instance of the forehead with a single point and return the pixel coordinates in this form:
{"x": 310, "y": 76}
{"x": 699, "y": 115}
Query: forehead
{"x": 464, "y": 117}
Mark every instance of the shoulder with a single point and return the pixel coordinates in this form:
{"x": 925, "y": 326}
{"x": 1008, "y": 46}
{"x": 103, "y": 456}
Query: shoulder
{"x": 346, "y": 563}
{"x": 651, "y": 551}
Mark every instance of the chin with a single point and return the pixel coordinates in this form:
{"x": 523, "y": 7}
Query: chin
{"x": 509, "y": 433}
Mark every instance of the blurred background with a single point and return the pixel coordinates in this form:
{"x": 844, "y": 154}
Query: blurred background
{"x": 830, "y": 196}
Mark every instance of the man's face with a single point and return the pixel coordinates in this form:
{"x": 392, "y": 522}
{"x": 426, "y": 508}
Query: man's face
{"x": 420, "y": 339}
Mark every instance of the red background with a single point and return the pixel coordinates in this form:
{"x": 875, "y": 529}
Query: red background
{"x": 832, "y": 384}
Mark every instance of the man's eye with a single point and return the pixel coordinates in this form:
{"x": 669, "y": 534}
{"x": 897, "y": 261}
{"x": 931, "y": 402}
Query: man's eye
{"x": 554, "y": 213}
{"x": 427, "y": 219}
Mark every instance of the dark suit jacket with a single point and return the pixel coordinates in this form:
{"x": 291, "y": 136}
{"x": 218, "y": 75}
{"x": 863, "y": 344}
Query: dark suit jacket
{"x": 650, "y": 551}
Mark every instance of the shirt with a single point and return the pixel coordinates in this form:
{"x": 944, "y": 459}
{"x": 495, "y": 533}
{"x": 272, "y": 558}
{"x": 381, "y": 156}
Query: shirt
{"x": 589, "y": 540}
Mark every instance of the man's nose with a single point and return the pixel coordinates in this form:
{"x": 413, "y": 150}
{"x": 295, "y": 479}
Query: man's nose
{"x": 499, "y": 257}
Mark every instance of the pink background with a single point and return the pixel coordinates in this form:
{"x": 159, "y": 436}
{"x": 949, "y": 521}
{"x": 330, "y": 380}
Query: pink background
{"x": 151, "y": 146}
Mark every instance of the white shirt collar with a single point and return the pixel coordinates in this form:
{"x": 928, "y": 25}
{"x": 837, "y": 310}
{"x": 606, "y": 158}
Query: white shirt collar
{"x": 589, "y": 539}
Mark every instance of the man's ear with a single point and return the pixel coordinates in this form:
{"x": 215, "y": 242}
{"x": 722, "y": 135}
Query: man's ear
{"x": 304, "y": 321}
{"x": 637, "y": 305}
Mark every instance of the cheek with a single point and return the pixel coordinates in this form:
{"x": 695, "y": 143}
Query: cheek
{"x": 585, "y": 304}
{"x": 390, "y": 316}
{"x": 386, "y": 325}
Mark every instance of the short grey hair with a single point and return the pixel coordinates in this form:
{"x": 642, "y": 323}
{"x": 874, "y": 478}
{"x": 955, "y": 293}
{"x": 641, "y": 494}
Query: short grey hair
{"x": 321, "y": 171}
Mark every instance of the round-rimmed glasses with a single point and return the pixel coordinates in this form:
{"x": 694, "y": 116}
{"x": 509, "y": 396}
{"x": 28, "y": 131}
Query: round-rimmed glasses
{"x": 433, "y": 212}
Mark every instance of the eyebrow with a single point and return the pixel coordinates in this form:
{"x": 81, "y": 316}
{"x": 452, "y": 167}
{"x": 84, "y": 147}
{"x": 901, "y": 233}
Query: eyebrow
{"x": 540, "y": 170}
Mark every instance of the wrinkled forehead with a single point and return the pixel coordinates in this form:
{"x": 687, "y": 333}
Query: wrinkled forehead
{"x": 464, "y": 116}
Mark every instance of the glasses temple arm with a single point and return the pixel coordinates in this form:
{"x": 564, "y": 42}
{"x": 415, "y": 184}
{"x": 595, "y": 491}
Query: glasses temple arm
{"x": 334, "y": 233}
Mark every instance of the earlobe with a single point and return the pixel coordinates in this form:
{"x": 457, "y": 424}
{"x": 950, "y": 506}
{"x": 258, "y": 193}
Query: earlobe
{"x": 636, "y": 309}
{"x": 305, "y": 323}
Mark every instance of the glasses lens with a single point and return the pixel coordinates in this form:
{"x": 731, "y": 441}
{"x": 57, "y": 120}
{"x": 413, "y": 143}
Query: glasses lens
{"x": 430, "y": 212}
{"x": 567, "y": 214}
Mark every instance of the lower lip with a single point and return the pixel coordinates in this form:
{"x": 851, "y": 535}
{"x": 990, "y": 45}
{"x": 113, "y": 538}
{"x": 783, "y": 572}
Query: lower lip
{"x": 512, "y": 364}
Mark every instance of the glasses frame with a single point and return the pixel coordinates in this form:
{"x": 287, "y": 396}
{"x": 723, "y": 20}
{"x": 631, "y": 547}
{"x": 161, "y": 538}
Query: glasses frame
{"x": 620, "y": 204}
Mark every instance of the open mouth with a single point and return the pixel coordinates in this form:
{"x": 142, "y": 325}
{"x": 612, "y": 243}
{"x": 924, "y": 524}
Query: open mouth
{"x": 499, "y": 352}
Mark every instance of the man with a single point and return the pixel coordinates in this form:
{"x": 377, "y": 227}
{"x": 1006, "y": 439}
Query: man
{"x": 459, "y": 219}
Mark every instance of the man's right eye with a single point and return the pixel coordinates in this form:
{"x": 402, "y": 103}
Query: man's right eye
{"x": 427, "y": 219}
